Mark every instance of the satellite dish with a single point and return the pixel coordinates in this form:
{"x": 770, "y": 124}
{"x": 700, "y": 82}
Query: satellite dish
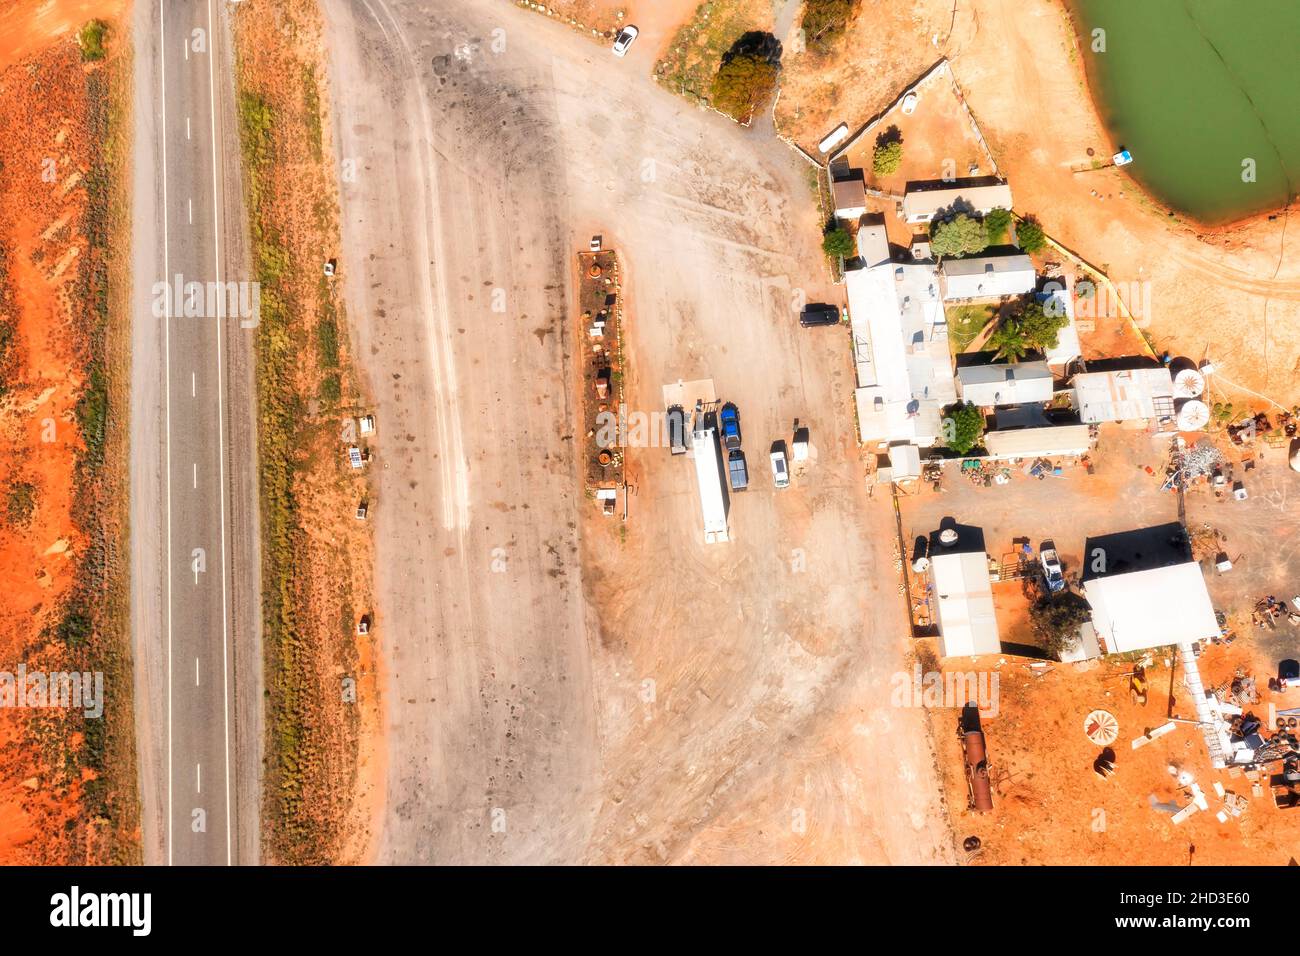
{"x": 1101, "y": 728}
{"x": 1189, "y": 383}
{"x": 1193, "y": 415}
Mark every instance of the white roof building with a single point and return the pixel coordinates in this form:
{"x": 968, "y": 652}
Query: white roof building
{"x": 1125, "y": 395}
{"x": 1136, "y": 610}
{"x": 922, "y": 205}
{"x": 964, "y": 597}
{"x": 1046, "y": 441}
{"x": 988, "y": 277}
{"x": 1012, "y": 383}
{"x": 900, "y": 345}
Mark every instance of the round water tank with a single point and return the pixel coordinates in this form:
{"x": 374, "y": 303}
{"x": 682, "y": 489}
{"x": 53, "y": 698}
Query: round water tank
{"x": 921, "y": 565}
{"x": 1193, "y": 415}
{"x": 1295, "y": 455}
{"x": 948, "y": 537}
{"x": 1188, "y": 383}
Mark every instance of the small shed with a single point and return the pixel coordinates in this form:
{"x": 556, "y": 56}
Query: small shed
{"x": 850, "y": 197}
{"x": 964, "y": 597}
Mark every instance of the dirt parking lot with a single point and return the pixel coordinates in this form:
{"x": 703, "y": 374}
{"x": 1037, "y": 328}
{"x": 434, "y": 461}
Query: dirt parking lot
{"x": 609, "y": 696}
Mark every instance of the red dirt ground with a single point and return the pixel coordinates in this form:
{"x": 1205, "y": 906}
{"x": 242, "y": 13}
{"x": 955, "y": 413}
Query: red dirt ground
{"x": 42, "y": 131}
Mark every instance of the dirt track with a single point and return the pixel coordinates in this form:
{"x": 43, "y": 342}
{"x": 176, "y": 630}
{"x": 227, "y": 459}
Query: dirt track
{"x": 767, "y": 738}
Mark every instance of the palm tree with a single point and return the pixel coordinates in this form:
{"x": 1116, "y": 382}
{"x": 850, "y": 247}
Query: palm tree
{"x": 1009, "y": 341}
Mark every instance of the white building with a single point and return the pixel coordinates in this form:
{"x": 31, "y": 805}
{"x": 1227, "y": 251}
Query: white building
{"x": 1136, "y": 610}
{"x": 1046, "y": 441}
{"x": 1012, "y": 383}
{"x": 900, "y": 345}
{"x": 964, "y": 604}
{"x": 988, "y": 277}
{"x": 1124, "y": 395}
{"x": 923, "y": 204}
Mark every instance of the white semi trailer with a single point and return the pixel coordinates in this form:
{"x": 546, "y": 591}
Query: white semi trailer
{"x": 712, "y": 479}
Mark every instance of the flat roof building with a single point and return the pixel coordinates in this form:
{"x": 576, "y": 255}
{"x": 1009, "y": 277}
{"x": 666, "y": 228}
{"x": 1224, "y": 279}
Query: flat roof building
{"x": 1045, "y": 441}
{"x": 900, "y": 346}
{"x": 1124, "y": 395}
{"x": 1145, "y": 590}
{"x": 987, "y": 277}
{"x": 1010, "y": 383}
{"x": 924, "y": 202}
{"x": 963, "y": 594}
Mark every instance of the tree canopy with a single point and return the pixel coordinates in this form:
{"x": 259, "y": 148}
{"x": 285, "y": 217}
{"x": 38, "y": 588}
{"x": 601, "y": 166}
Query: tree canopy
{"x": 963, "y": 426}
{"x": 743, "y": 83}
{"x": 959, "y": 236}
{"x": 838, "y": 242}
{"x": 1030, "y": 235}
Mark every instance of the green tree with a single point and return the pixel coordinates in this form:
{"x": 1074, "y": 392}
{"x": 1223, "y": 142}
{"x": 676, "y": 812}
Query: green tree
{"x": 887, "y": 157}
{"x": 1041, "y": 331}
{"x": 1009, "y": 341}
{"x": 838, "y": 242}
{"x": 1056, "y": 621}
{"x": 91, "y": 40}
{"x": 824, "y": 21}
{"x": 743, "y": 83}
{"x": 963, "y": 426}
{"x": 996, "y": 224}
{"x": 959, "y": 236}
{"x": 1030, "y": 235}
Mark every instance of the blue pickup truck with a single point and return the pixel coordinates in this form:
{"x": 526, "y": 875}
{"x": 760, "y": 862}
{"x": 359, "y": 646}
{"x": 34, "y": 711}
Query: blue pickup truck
{"x": 730, "y": 421}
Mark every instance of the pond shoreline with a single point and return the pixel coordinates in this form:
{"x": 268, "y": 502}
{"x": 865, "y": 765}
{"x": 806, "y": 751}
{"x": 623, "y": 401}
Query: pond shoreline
{"x": 1174, "y": 216}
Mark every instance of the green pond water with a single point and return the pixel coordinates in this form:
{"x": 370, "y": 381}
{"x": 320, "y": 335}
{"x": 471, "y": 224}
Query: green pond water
{"x": 1193, "y": 88}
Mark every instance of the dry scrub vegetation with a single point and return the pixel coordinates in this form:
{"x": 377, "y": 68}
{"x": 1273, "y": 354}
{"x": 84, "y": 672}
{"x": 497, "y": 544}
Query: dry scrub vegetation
{"x": 316, "y": 555}
{"x": 67, "y": 781}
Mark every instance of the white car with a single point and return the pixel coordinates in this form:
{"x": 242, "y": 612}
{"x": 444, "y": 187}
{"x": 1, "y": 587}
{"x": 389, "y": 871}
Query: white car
{"x": 624, "y": 40}
{"x": 1052, "y": 568}
{"x": 780, "y": 472}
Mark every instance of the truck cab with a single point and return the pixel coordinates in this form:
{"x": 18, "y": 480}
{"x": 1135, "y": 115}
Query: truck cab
{"x": 729, "y": 421}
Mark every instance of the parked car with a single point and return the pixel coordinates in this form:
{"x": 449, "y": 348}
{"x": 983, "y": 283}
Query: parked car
{"x": 739, "y": 472}
{"x": 1051, "y": 567}
{"x": 780, "y": 468}
{"x": 730, "y": 421}
{"x": 677, "y": 430}
{"x": 624, "y": 40}
{"x": 815, "y": 315}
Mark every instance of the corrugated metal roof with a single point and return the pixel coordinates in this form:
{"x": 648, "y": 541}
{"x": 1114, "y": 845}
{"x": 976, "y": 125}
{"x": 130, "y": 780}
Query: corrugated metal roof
{"x": 1124, "y": 395}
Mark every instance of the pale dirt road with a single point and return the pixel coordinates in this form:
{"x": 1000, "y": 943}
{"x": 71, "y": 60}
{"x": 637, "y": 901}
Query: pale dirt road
{"x": 672, "y": 702}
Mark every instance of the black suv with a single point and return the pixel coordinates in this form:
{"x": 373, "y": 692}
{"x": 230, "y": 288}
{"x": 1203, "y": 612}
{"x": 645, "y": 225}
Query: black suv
{"x": 819, "y": 315}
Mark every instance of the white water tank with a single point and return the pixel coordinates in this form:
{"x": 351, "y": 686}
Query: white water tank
{"x": 1295, "y": 455}
{"x": 1188, "y": 383}
{"x": 948, "y": 537}
{"x": 1192, "y": 416}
